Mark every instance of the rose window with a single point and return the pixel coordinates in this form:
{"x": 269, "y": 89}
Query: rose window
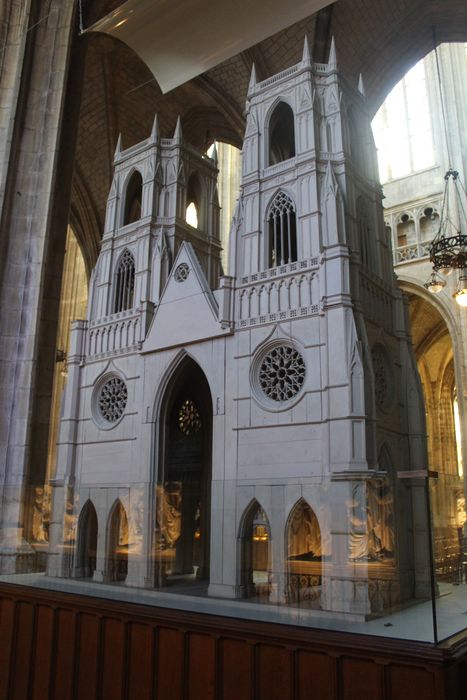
{"x": 112, "y": 399}
{"x": 182, "y": 272}
{"x": 282, "y": 373}
{"x": 189, "y": 420}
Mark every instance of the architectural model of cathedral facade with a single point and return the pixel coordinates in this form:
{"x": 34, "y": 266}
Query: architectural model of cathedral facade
{"x": 247, "y": 430}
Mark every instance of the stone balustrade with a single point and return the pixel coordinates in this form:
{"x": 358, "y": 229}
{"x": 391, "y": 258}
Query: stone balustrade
{"x": 113, "y": 334}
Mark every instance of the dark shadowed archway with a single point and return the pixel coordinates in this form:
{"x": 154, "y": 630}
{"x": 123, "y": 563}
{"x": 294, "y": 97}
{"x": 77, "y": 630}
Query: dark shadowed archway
{"x": 183, "y": 490}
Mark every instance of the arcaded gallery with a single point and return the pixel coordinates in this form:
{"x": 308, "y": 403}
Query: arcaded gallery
{"x": 233, "y": 318}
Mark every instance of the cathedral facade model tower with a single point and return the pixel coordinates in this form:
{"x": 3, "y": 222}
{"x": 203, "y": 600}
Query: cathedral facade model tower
{"x": 248, "y": 430}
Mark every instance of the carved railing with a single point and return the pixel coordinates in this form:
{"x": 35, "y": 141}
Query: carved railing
{"x": 406, "y": 253}
{"x": 280, "y": 293}
{"x": 276, "y": 78}
{"x": 113, "y": 334}
{"x": 303, "y": 586}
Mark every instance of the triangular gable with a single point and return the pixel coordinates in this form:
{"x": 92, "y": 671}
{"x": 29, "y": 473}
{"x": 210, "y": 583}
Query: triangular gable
{"x": 187, "y": 311}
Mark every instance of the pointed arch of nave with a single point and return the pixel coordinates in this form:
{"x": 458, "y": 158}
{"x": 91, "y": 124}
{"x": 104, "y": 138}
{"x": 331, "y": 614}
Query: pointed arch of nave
{"x": 439, "y": 358}
{"x": 182, "y": 472}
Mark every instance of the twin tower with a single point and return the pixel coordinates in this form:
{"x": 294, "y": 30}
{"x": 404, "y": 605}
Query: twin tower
{"x": 246, "y": 429}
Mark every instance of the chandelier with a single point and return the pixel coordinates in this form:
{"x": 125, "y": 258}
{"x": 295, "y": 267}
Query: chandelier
{"x": 448, "y": 250}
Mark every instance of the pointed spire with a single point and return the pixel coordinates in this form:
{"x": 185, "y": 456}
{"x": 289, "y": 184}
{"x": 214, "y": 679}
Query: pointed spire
{"x": 306, "y": 56}
{"x": 155, "y": 129}
{"x": 118, "y": 148}
{"x": 178, "y": 130}
{"x": 332, "y": 60}
{"x": 252, "y": 83}
{"x": 361, "y": 86}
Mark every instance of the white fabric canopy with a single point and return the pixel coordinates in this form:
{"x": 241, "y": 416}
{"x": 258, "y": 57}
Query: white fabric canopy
{"x": 180, "y": 39}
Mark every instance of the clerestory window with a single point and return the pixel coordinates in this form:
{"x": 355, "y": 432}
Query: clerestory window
{"x": 282, "y": 231}
{"x": 125, "y": 283}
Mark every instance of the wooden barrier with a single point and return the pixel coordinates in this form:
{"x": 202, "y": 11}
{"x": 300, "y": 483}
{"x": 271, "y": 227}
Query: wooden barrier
{"x": 63, "y": 646}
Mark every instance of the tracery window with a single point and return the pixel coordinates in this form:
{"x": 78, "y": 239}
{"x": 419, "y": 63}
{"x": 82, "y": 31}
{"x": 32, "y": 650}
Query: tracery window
{"x": 189, "y": 420}
{"x": 282, "y": 373}
{"x": 112, "y": 399}
{"x": 125, "y": 283}
{"x": 282, "y": 231}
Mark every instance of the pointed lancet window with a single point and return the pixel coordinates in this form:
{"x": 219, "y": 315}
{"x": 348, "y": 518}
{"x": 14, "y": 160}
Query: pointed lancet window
{"x": 125, "y": 282}
{"x": 281, "y": 134}
{"x": 134, "y": 196}
{"x": 282, "y": 231}
{"x": 194, "y": 199}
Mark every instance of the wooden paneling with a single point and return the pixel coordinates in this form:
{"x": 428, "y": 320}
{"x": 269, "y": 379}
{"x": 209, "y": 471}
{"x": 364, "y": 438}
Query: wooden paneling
{"x": 202, "y": 667}
{"x": 140, "y": 661}
{"x": 418, "y": 679}
{"x": 113, "y": 659}
{"x": 43, "y": 650}
{"x": 87, "y": 656}
{"x": 7, "y": 626}
{"x": 317, "y": 672}
{"x": 361, "y": 680}
{"x": 19, "y": 686}
{"x": 236, "y": 670}
{"x": 65, "y": 654}
{"x": 170, "y": 664}
{"x": 67, "y": 647}
{"x": 274, "y": 673}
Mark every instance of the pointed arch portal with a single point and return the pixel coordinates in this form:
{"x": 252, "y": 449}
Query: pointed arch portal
{"x": 87, "y": 542}
{"x": 183, "y": 488}
{"x": 117, "y": 546}
{"x": 255, "y": 552}
{"x": 304, "y": 555}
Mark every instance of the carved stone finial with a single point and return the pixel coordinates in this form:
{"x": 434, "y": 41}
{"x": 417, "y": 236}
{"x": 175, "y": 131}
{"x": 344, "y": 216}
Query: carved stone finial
{"x": 332, "y": 60}
{"x": 252, "y": 83}
{"x": 155, "y": 129}
{"x": 361, "y": 86}
{"x": 118, "y": 148}
{"x": 178, "y": 129}
{"x": 306, "y": 56}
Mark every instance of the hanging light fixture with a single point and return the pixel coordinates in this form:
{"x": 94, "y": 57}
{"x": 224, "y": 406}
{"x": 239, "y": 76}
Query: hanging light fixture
{"x": 460, "y": 295}
{"x": 448, "y": 250}
{"x": 434, "y": 284}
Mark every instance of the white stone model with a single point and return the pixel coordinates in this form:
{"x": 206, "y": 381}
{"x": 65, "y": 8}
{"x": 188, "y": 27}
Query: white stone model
{"x": 248, "y": 430}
